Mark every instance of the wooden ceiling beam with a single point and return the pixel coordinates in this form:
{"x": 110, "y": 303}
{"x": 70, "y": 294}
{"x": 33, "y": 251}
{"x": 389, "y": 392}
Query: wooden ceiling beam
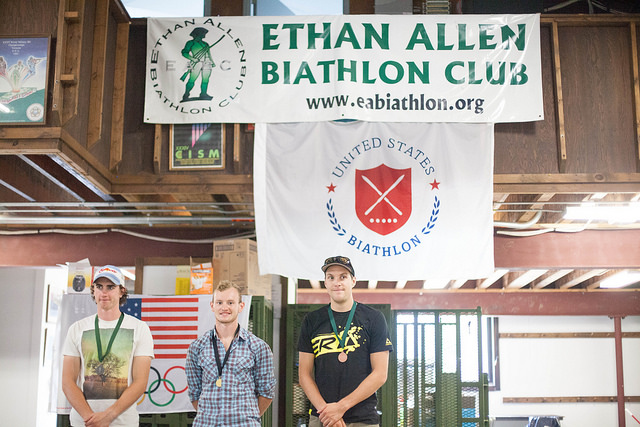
{"x": 586, "y": 249}
{"x": 497, "y": 302}
{"x": 525, "y": 278}
{"x": 545, "y": 197}
{"x": 578, "y": 277}
{"x": 18, "y": 175}
{"x": 161, "y": 199}
{"x": 493, "y": 278}
{"x": 207, "y": 188}
{"x": 457, "y": 284}
{"x": 549, "y": 278}
{"x": 47, "y": 166}
{"x": 566, "y": 183}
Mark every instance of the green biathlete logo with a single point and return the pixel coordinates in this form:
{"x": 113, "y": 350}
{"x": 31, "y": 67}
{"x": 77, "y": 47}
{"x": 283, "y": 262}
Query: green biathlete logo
{"x": 192, "y": 52}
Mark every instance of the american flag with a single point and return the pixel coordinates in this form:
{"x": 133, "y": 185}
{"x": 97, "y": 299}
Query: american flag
{"x": 173, "y": 322}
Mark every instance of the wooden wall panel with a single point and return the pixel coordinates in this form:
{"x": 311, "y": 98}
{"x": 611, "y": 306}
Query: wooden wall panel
{"x": 531, "y": 147}
{"x": 225, "y": 8}
{"x": 76, "y": 97}
{"x": 597, "y": 90}
{"x": 101, "y": 148}
{"x": 359, "y": 7}
{"x": 19, "y": 17}
{"x": 635, "y": 55}
{"x": 137, "y": 148}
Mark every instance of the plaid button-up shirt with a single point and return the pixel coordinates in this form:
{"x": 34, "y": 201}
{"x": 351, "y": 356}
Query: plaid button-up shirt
{"x": 247, "y": 374}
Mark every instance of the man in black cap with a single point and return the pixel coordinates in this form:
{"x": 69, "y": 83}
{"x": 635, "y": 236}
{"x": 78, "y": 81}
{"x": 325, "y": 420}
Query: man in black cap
{"x": 107, "y": 358}
{"x": 343, "y": 354}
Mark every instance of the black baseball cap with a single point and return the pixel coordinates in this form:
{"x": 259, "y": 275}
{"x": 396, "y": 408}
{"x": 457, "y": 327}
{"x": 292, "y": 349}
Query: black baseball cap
{"x": 342, "y": 261}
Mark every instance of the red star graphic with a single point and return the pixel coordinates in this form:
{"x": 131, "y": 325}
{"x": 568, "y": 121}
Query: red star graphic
{"x": 332, "y": 188}
{"x": 435, "y": 184}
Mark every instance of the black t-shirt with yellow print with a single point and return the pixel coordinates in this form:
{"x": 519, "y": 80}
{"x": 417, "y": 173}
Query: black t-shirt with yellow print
{"x": 368, "y": 333}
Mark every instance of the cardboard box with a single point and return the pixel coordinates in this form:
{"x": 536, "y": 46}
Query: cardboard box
{"x": 201, "y": 279}
{"x": 237, "y": 260}
{"x": 235, "y": 245}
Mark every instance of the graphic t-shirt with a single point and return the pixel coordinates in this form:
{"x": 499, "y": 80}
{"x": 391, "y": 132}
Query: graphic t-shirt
{"x": 368, "y": 333}
{"x": 104, "y": 382}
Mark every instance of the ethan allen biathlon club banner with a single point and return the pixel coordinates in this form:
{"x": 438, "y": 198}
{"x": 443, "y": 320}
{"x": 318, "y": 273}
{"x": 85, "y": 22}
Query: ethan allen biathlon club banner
{"x": 405, "y": 201}
{"x": 390, "y": 68}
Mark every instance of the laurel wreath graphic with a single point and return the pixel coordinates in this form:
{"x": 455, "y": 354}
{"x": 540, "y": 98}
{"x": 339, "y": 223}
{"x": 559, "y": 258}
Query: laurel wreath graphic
{"x": 434, "y": 217}
{"x": 334, "y": 221}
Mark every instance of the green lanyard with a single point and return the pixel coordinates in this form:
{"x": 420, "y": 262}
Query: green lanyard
{"x": 113, "y": 337}
{"x": 342, "y": 341}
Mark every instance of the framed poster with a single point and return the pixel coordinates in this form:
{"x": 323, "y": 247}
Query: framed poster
{"x": 196, "y": 146}
{"x": 23, "y": 79}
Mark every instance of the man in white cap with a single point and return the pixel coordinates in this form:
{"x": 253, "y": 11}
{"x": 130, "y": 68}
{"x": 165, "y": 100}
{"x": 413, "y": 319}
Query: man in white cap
{"x": 107, "y": 358}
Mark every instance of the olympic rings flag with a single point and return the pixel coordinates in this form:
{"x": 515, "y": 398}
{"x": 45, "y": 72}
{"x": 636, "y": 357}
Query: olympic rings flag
{"x": 175, "y": 322}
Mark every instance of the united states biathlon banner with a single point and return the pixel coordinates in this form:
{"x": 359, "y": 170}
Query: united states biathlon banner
{"x": 389, "y": 68}
{"x": 405, "y": 201}
{"x": 175, "y": 322}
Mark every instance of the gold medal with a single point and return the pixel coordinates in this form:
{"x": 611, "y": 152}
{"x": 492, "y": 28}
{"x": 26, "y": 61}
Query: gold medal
{"x": 342, "y": 357}
{"x": 219, "y": 382}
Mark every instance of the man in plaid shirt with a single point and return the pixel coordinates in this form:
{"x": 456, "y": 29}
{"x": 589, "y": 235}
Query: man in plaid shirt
{"x": 229, "y": 370}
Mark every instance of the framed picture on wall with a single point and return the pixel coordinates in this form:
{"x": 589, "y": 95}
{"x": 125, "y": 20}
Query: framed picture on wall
{"x": 24, "y": 64}
{"x": 196, "y": 146}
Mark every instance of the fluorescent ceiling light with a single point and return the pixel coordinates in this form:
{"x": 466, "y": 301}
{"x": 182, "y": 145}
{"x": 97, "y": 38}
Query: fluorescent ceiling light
{"x": 624, "y": 278}
{"x": 623, "y": 214}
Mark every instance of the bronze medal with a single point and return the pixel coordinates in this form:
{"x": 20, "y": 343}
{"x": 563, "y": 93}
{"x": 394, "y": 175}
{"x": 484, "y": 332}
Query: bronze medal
{"x": 342, "y": 338}
{"x": 219, "y": 382}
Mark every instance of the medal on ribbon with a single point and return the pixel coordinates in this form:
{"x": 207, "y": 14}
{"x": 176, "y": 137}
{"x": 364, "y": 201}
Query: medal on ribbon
{"x": 342, "y": 339}
{"x": 100, "y": 368}
{"x": 220, "y": 366}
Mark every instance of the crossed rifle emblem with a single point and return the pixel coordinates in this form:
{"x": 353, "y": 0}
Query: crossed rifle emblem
{"x": 383, "y": 196}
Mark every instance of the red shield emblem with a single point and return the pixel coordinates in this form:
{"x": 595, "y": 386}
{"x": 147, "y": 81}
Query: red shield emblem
{"x": 383, "y": 198}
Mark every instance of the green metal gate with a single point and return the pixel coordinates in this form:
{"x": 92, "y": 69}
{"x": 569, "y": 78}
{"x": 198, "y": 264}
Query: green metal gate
{"x": 296, "y": 403}
{"x": 261, "y": 325}
{"x": 439, "y": 369}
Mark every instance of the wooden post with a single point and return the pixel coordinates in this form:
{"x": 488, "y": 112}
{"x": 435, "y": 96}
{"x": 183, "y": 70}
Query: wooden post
{"x": 157, "y": 148}
{"x": 562, "y": 144}
{"x": 636, "y": 88}
{"x": 98, "y": 64}
{"x": 617, "y": 322}
{"x": 119, "y": 91}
